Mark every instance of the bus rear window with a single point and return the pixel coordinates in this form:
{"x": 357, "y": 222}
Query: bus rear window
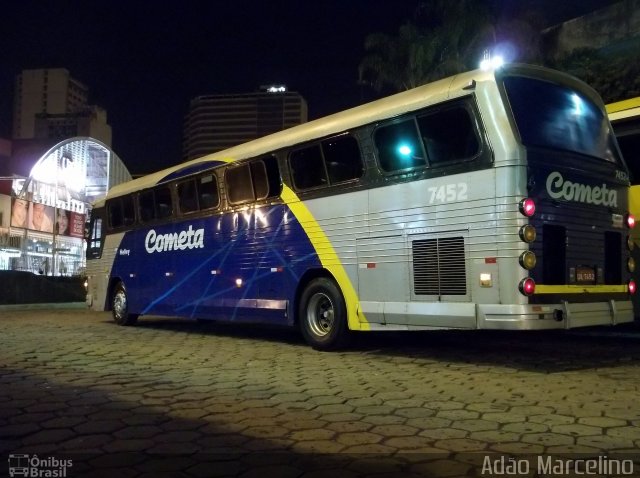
{"x": 552, "y": 116}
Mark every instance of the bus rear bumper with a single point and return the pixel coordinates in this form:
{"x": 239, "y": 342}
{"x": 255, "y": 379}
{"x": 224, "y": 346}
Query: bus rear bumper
{"x": 563, "y": 315}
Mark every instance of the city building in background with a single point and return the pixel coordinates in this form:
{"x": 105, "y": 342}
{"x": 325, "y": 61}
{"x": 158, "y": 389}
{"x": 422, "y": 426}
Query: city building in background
{"x": 218, "y": 122}
{"x": 58, "y": 161}
{"x": 50, "y": 104}
{"x": 42, "y": 215}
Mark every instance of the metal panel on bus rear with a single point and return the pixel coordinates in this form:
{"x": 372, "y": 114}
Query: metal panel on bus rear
{"x": 579, "y": 220}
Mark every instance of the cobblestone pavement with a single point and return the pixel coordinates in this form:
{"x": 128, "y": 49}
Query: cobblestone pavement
{"x": 177, "y": 398}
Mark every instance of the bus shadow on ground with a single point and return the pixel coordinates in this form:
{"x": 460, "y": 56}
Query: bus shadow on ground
{"x": 539, "y": 351}
{"x": 103, "y": 435}
{"x": 548, "y": 351}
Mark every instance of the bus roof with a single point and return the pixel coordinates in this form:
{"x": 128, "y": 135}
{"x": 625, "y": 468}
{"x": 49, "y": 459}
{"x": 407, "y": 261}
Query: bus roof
{"x": 624, "y": 109}
{"x": 377, "y": 110}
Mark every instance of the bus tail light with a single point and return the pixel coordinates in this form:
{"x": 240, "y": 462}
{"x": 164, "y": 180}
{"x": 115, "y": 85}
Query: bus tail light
{"x": 528, "y": 260}
{"x": 527, "y": 207}
{"x": 527, "y": 286}
{"x": 631, "y": 264}
{"x": 528, "y": 233}
{"x": 632, "y": 286}
{"x": 630, "y": 243}
{"x": 631, "y": 221}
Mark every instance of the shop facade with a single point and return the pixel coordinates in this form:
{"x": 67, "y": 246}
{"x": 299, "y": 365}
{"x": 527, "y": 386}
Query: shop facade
{"x": 43, "y": 215}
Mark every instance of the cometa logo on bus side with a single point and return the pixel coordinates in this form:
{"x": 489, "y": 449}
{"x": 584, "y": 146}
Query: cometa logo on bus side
{"x": 559, "y": 188}
{"x": 176, "y": 241}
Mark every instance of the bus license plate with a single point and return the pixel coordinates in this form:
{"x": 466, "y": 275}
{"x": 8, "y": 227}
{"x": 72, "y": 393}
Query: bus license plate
{"x": 585, "y": 275}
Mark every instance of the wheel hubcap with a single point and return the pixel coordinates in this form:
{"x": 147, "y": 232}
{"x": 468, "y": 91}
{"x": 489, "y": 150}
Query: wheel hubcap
{"x": 320, "y": 314}
{"x": 120, "y": 304}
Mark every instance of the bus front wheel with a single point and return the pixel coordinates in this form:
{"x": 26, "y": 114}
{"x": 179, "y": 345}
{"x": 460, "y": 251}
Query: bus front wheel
{"x": 323, "y": 315}
{"x": 120, "y": 306}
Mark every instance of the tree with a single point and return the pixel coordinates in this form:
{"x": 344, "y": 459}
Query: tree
{"x": 615, "y": 77}
{"x": 401, "y": 62}
{"x": 444, "y": 38}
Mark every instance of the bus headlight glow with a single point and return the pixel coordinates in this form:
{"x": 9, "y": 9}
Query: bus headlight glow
{"x": 528, "y": 260}
{"x": 527, "y": 286}
{"x": 528, "y": 233}
{"x": 631, "y": 264}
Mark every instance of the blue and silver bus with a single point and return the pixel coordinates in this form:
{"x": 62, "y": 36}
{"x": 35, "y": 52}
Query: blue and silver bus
{"x": 489, "y": 200}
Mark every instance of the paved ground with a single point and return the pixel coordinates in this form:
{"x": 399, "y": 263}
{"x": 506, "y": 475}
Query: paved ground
{"x": 174, "y": 398}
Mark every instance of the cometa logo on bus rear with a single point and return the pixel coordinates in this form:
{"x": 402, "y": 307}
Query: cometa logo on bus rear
{"x": 559, "y": 188}
{"x": 176, "y": 241}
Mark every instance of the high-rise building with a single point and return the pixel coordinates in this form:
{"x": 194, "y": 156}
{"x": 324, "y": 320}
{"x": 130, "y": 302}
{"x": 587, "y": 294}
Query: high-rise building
{"x": 217, "y": 122}
{"x": 50, "y": 104}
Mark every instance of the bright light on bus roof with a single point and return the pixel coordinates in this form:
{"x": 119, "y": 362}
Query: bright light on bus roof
{"x": 492, "y": 63}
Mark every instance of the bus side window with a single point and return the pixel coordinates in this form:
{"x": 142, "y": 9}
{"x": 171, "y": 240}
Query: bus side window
{"x": 259, "y": 177}
{"x": 94, "y": 241}
{"x": 128, "y": 211}
{"x": 208, "y": 192}
{"x": 187, "y": 196}
{"x": 449, "y": 135}
{"x": 343, "y": 159}
{"x": 399, "y": 146}
{"x": 145, "y": 202}
{"x": 114, "y": 213}
{"x": 238, "y": 183}
{"x": 163, "y": 202}
{"x": 273, "y": 179}
{"x": 307, "y": 168}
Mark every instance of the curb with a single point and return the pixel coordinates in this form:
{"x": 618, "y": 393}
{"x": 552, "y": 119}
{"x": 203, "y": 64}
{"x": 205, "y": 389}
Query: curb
{"x": 54, "y": 305}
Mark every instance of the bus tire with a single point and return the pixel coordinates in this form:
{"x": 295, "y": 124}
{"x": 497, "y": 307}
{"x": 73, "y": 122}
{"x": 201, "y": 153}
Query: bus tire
{"x": 120, "y": 306}
{"x": 322, "y": 315}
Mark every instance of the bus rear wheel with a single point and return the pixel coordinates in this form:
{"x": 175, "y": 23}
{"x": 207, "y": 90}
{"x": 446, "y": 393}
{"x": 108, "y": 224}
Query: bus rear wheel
{"x": 322, "y": 315}
{"x": 120, "y": 306}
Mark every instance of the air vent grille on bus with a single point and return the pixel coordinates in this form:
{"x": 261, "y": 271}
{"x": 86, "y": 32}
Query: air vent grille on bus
{"x": 439, "y": 266}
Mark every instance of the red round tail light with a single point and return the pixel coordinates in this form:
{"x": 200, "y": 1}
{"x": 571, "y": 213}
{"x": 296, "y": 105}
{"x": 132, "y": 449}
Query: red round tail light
{"x": 527, "y": 286}
{"x": 632, "y": 286}
{"x": 631, "y": 221}
{"x": 527, "y": 207}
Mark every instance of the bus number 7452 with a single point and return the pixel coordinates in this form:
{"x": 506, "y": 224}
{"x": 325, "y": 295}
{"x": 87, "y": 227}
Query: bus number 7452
{"x": 448, "y": 193}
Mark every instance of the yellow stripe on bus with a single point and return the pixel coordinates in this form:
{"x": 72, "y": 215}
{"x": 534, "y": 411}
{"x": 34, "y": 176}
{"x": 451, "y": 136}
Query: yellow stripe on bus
{"x": 623, "y": 105}
{"x": 580, "y": 289}
{"x": 328, "y": 257}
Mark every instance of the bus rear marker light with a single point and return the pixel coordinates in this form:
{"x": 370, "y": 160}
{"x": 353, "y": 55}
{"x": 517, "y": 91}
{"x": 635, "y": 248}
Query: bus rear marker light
{"x": 528, "y": 233}
{"x": 528, "y": 260}
{"x": 527, "y": 207}
{"x": 631, "y": 221}
{"x": 527, "y": 286}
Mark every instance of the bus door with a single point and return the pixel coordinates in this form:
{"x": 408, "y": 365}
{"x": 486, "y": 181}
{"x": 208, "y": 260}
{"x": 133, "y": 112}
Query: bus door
{"x": 154, "y": 274}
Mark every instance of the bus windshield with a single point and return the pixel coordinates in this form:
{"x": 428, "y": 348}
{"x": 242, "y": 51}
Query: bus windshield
{"x": 553, "y": 116}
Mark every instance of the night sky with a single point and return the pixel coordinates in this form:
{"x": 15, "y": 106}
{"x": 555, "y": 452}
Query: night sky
{"x": 144, "y": 60}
